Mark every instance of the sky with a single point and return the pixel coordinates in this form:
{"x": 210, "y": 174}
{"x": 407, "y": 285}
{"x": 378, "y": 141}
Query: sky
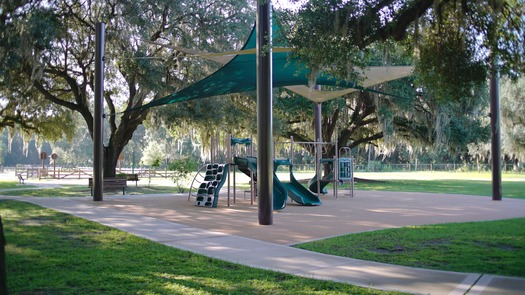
{"x": 287, "y": 3}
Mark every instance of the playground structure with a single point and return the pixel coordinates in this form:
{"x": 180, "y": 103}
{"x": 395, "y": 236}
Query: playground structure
{"x": 210, "y": 178}
{"x": 248, "y": 166}
{"x": 250, "y": 72}
{"x": 341, "y": 163}
{"x": 281, "y": 189}
{"x": 345, "y": 165}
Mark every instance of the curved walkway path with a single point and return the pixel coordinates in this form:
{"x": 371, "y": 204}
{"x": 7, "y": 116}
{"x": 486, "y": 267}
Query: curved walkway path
{"x": 232, "y": 233}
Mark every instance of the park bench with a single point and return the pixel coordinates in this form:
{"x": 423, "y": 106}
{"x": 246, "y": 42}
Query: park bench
{"x": 21, "y": 178}
{"x": 132, "y": 177}
{"x": 111, "y": 183}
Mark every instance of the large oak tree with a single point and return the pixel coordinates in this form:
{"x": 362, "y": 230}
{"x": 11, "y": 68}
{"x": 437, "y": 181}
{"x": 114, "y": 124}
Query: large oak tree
{"x": 47, "y": 60}
{"x": 453, "y": 44}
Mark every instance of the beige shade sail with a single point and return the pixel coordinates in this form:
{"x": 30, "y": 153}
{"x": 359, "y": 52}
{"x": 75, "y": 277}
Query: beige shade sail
{"x": 372, "y": 76}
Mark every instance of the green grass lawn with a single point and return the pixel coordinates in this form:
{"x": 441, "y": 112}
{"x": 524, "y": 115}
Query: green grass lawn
{"x": 49, "y": 252}
{"x": 510, "y": 189}
{"x": 68, "y": 190}
{"x": 493, "y": 247}
{"x": 12, "y": 184}
{"x": 470, "y": 183}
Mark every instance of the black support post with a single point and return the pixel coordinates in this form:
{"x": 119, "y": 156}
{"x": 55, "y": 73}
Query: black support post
{"x": 318, "y": 108}
{"x": 98, "y": 123}
{"x": 495, "y": 132}
{"x": 264, "y": 113}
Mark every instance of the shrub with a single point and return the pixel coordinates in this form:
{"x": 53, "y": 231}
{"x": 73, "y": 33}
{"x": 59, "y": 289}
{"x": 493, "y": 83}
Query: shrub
{"x": 181, "y": 168}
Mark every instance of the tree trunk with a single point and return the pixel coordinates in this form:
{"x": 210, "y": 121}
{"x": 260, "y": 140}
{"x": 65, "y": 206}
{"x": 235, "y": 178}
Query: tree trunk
{"x": 120, "y": 137}
{"x": 110, "y": 161}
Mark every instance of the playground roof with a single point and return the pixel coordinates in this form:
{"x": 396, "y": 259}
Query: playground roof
{"x": 239, "y": 75}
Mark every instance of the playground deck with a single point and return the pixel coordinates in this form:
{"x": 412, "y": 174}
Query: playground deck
{"x": 366, "y": 211}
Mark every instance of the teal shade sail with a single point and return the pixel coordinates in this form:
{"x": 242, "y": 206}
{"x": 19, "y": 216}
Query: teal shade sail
{"x": 239, "y": 74}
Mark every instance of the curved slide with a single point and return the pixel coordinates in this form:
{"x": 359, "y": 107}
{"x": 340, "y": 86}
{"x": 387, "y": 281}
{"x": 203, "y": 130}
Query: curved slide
{"x": 249, "y": 164}
{"x": 296, "y": 190}
{"x": 312, "y": 183}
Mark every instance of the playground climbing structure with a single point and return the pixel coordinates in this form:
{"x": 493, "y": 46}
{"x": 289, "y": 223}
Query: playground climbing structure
{"x": 207, "y": 184}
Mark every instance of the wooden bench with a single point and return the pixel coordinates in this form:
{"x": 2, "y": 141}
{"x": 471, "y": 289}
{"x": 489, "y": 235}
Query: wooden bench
{"x": 111, "y": 183}
{"x": 21, "y": 178}
{"x": 132, "y": 177}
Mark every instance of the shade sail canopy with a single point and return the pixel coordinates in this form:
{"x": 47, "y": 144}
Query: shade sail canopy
{"x": 372, "y": 76}
{"x": 239, "y": 75}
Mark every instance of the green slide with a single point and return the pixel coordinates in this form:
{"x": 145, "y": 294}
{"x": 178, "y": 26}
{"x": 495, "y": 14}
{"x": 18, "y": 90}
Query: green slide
{"x": 249, "y": 164}
{"x": 312, "y": 183}
{"x": 296, "y": 190}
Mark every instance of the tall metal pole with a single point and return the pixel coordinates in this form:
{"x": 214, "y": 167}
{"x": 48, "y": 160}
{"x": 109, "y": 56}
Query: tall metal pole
{"x": 264, "y": 112}
{"x": 98, "y": 123}
{"x": 318, "y": 125}
{"x": 318, "y": 139}
{"x": 495, "y": 132}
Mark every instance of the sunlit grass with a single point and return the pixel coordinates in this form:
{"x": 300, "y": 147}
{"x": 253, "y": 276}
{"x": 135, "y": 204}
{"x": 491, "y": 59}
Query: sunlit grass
{"x": 469, "y": 183}
{"x": 436, "y": 175}
{"x": 510, "y": 189}
{"x": 493, "y": 247}
{"x": 49, "y": 252}
{"x": 84, "y": 190}
{"x": 5, "y": 184}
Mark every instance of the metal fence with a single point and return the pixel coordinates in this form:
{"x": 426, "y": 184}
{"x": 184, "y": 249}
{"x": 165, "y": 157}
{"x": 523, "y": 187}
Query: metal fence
{"x": 448, "y": 167}
{"x": 373, "y": 166}
{"x": 28, "y": 171}
{"x": 410, "y": 167}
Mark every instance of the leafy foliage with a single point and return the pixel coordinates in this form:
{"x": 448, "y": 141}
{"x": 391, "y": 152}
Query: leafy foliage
{"x": 513, "y": 123}
{"x": 47, "y": 60}
{"x": 448, "y": 68}
{"x": 452, "y": 44}
{"x": 182, "y": 169}
{"x": 154, "y": 154}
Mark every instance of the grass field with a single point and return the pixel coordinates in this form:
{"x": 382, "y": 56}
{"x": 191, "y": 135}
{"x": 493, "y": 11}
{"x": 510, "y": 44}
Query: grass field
{"x": 493, "y": 247}
{"x": 49, "y": 252}
{"x": 467, "y": 183}
{"x": 82, "y": 191}
{"x": 510, "y": 189}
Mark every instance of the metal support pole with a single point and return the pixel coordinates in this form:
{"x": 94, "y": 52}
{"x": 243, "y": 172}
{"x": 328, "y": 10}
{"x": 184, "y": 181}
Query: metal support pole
{"x": 319, "y": 139}
{"x": 264, "y": 113}
{"x": 252, "y": 181}
{"x": 318, "y": 117}
{"x": 98, "y": 123}
{"x": 292, "y": 154}
{"x": 336, "y": 169}
{"x": 495, "y": 132}
{"x": 230, "y": 158}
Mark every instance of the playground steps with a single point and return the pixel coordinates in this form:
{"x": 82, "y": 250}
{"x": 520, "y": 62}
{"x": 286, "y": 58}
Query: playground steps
{"x": 207, "y": 184}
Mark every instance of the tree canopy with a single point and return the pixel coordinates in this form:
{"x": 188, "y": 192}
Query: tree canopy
{"x": 47, "y": 59}
{"x": 333, "y": 34}
{"x": 452, "y": 43}
{"x": 47, "y": 66}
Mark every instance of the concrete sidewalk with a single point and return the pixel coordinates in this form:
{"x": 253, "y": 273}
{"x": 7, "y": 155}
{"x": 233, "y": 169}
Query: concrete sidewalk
{"x": 267, "y": 255}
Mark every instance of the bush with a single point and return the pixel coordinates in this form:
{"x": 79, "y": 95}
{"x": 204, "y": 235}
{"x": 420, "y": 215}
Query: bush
{"x": 181, "y": 168}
